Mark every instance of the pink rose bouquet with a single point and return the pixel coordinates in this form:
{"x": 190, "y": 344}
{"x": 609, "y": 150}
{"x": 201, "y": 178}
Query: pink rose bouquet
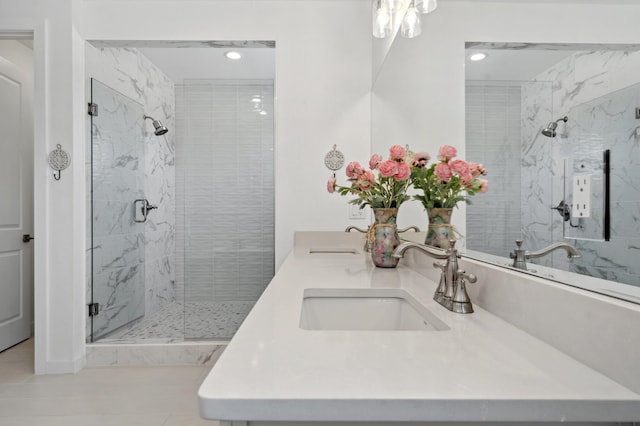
{"x": 383, "y": 185}
{"x": 445, "y": 183}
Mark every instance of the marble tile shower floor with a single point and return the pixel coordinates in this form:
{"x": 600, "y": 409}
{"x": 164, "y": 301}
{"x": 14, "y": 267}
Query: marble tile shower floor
{"x": 190, "y": 320}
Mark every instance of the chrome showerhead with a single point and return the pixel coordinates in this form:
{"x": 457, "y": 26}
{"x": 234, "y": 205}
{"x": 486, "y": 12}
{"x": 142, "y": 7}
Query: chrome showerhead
{"x": 160, "y": 129}
{"x": 550, "y": 130}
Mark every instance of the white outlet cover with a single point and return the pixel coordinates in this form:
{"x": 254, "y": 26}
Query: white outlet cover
{"x": 581, "y": 196}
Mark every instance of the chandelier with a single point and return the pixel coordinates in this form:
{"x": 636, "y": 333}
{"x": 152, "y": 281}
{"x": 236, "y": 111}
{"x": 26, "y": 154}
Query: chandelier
{"x": 384, "y": 12}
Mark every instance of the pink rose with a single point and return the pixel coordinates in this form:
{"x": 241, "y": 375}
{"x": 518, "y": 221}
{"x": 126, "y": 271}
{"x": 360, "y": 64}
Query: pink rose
{"x": 477, "y": 169}
{"x": 485, "y": 185}
{"x": 354, "y": 169}
{"x": 388, "y": 168}
{"x": 374, "y": 161}
{"x": 462, "y": 169}
{"x": 473, "y": 169}
{"x": 365, "y": 180}
{"x": 396, "y": 152}
{"x": 447, "y": 152}
{"x": 460, "y": 166}
{"x": 443, "y": 172}
{"x": 331, "y": 185}
{"x": 403, "y": 173}
{"x": 420, "y": 159}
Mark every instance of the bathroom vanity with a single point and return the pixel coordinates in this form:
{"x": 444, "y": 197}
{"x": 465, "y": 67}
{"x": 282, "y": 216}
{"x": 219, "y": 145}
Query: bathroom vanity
{"x": 522, "y": 356}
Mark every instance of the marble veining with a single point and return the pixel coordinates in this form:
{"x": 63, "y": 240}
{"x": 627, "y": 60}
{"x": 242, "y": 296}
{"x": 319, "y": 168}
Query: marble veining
{"x": 185, "y": 44}
{"x": 133, "y": 263}
{"x": 598, "y": 91}
{"x": 551, "y": 46}
{"x": 154, "y": 353}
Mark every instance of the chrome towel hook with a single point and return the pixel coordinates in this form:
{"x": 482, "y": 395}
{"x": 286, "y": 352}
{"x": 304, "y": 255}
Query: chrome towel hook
{"x": 58, "y": 160}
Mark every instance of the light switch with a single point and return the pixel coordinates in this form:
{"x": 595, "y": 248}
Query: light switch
{"x": 581, "y": 196}
{"x": 355, "y": 212}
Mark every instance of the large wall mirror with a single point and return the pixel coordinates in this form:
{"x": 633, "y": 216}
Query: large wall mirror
{"x": 539, "y": 162}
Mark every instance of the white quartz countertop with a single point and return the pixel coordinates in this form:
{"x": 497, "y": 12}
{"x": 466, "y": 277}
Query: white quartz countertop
{"x": 483, "y": 368}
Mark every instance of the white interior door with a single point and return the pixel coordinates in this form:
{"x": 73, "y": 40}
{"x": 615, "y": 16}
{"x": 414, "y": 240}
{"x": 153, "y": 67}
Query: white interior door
{"x": 16, "y": 206}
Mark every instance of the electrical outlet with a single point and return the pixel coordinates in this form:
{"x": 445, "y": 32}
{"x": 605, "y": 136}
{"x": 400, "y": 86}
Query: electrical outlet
{"x": 581, "y": 196}
{"x": 355, "y": 212}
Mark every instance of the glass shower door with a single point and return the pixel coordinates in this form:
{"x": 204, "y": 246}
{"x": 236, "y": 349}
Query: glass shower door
{"x": 226, "y": 215}
{"x": 117, "y": 239}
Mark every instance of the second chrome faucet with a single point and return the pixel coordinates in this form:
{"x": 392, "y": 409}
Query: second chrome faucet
{"x": 451, "y": 292}
{"x": 520, "y": 256}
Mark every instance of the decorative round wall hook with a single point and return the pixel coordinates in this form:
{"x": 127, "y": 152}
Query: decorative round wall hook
{"x": 58, "y": 160}
{"x": 334, "y": 160}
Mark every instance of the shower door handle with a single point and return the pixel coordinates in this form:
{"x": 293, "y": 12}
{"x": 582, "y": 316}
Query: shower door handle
{"x": 143, "y": 206}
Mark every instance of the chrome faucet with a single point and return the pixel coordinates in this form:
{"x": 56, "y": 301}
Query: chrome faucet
{"x": 355, "y": 228}
{"x": 451, "y": 292}
{"x": 519, "y": 255}
{"x": 408, "y": 228}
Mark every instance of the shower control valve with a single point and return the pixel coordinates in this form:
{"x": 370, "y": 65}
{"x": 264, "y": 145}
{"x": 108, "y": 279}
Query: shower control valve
{"x": 143, "y": 206}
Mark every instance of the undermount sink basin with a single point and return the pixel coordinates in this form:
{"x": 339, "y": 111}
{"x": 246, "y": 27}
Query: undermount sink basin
{"x": 365, "y": 309}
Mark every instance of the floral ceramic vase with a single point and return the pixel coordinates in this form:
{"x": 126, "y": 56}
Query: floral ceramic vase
{"x": 440, "y": 230}
{"x": 383, "y": 238}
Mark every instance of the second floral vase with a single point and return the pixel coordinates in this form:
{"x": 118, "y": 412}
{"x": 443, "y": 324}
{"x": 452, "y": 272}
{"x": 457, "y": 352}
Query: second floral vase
{"x": 383, "y": 238}
{"x": 440, "y": 229}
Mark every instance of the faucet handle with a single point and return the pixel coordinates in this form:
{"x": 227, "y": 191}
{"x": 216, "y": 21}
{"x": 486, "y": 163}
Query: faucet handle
{"x": 470, "y": 277}
{"x": 514, "y": 254}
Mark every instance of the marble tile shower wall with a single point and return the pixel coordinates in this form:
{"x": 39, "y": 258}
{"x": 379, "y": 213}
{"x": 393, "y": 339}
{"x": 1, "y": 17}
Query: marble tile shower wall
{"x": 225, "y": 176}
{"x": 118, "y": 242}
{"x": 599, "y": 92}
{"x": 493, "y": 139}
{"x": 130, "y": 73}
{"x": 536, "y": 165}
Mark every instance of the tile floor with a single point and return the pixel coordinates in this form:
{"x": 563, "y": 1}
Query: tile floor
{"x": 179, "y": 321}
{"x": 129, "y": 396}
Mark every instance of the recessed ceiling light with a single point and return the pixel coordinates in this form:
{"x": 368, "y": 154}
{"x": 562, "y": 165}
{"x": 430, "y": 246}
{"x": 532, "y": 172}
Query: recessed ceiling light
{"x": 263, "y": 112}
{"x": 232, "y": 55}
{"x": 478, "y": 56}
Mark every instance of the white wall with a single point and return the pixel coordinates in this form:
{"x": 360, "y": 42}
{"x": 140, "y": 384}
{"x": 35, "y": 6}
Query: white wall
{"x": 419, "y": 94}
{"x": 59, "y": 225}
{"x": 323, "y": 68}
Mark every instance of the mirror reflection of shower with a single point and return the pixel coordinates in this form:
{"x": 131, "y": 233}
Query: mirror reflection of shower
{"x": 160, "y": 128}
{"x": 550, "y": 130}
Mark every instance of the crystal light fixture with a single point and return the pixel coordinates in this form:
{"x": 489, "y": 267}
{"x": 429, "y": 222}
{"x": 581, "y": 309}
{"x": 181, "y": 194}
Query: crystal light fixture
{"x": 411, "y": 26}
{"x": 426, "y": 6}
{"x": 382, "y": 22}
{"x": 391, "y": 5}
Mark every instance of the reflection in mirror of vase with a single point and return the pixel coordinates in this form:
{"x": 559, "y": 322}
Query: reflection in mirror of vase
{"x": 508, "y": 99}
